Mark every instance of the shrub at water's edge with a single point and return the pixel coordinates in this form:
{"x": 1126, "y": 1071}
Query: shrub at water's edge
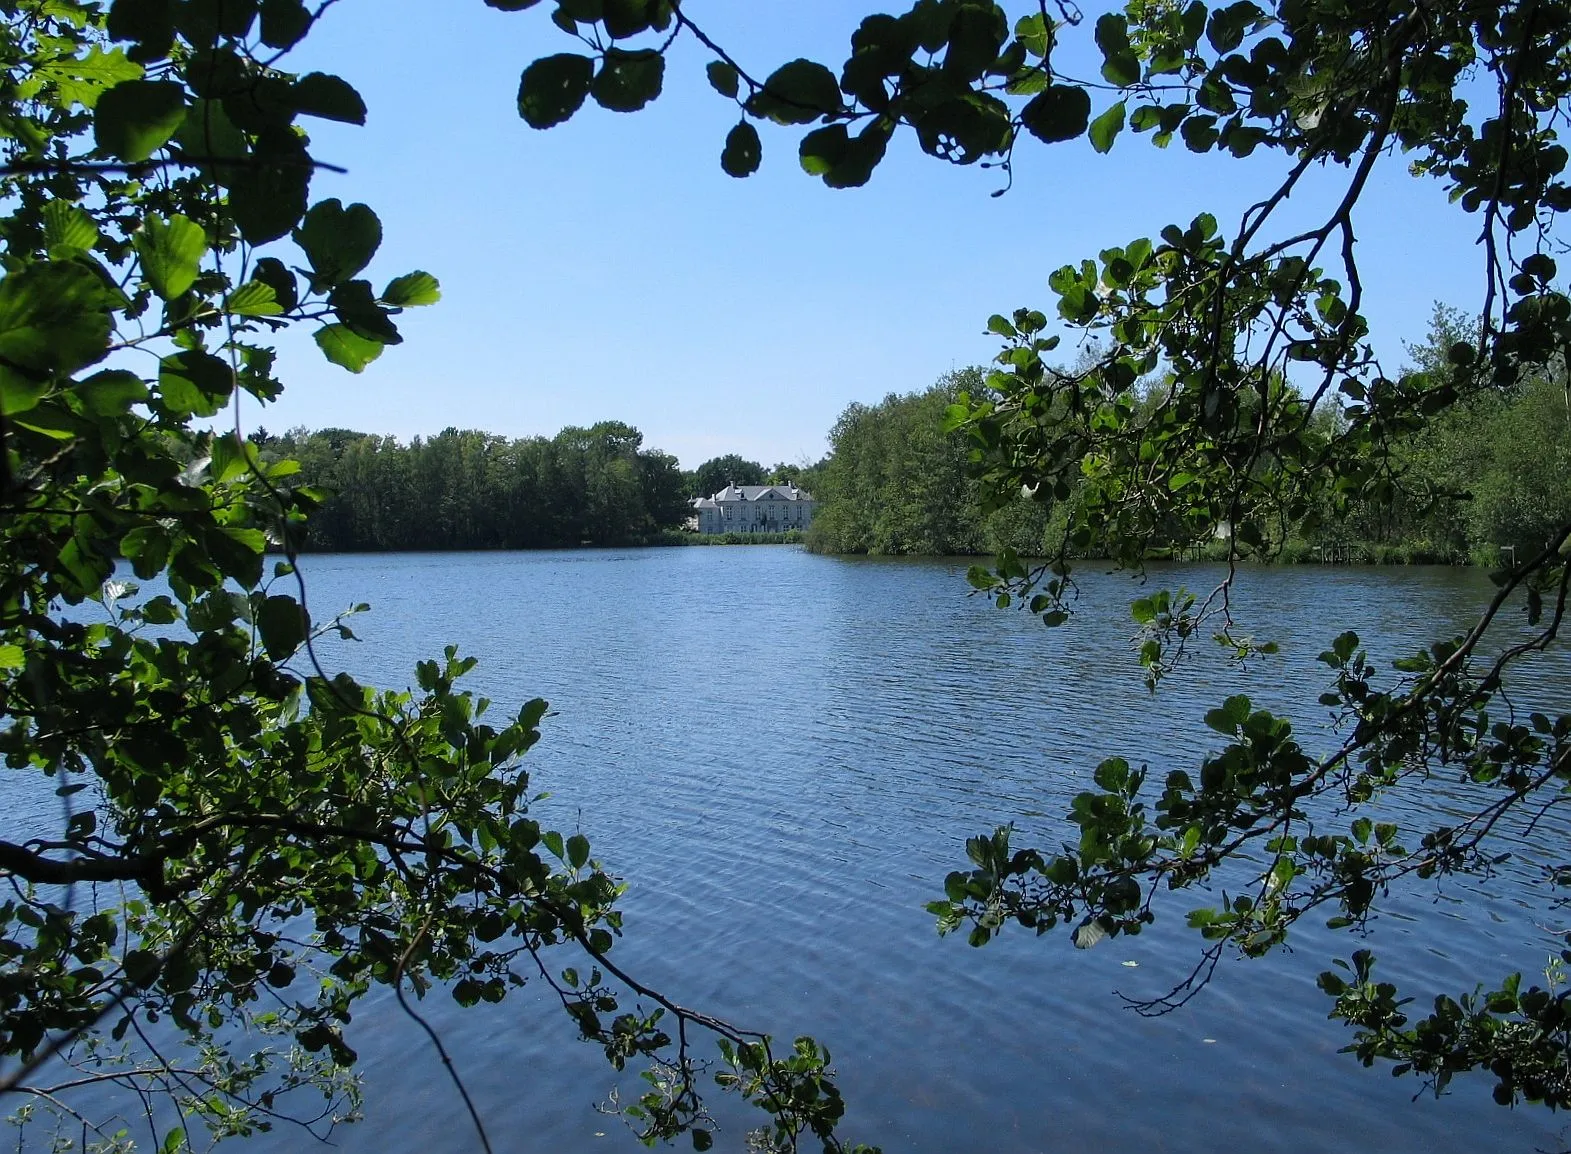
{"x": 687, "y": 537}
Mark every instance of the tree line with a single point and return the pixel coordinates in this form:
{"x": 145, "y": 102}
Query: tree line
{"x": 1492, "y": 472}
{"x": 468, "y": 489}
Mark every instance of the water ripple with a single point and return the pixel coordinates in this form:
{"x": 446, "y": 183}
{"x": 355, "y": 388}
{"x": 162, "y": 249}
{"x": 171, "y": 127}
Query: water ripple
{"x": 784, "y": 754}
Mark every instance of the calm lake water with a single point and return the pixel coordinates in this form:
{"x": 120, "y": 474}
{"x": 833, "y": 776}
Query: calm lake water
{"x": 783, "y": 755}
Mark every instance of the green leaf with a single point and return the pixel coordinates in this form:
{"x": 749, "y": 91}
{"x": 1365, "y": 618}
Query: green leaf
{"x": 553, "y": 88}
{"x": 1120, "y": 66}
{"x": 208, "y": 134}
{"x": 346, "y": 348}
{"x": 412, "y": 290}
{"x": 136, "y": 118}
{"x": 1105, "y": 128}
{"x": 1221, "y": 721}
{"x": 354, "y": 303}
{"x": 1027, "y": 82}
{"x": 1112, "y": 34}
{"x": 976, "y": 34}
{"x": 68, "y": 226}
{"x": 12, "y": 657}
{"x": 823, "y": 148}
{"x": 281, "y": 623}
{"x": 1331, "y": 984}
{"x": 628, "y": 80}
{"x": 54, "y": 317}
{"x": 1034, "y": 32}
{"x": 253, "y": 299}
{"x": 271, "y": 272}
{"x": 577, "y": 850}
{"x": 205, "y": 23}
{"x": 194, "y": 383}
{"x": 1226, "y": 28}
{"x": 743, "y": 150}
{"x": 284, "y": 23}
{"x": 160, "y": 610}
{"x": 338, "y": 241}
{"x": 1540, "y": 266}
{"x": 797, "y": 93}
{"x": 1199, "y": 133}
{"x": 624, "y": 18}
{"x": 1122, "y": 70}
{"x": 1060, "y": 112}
{"x": 52, "y": 420}
{"x": 861, "y": 155}
{"x": 328, "y": 97}
{"x": 151, "y": 23}
{"x": 723, "y": 78}
{"x": 581, "y": 12}
{"x": 82, "y": 80}
{"x": 269, "y": 197}
{"x": 19, "y": 394}
{"x": 111, "y": 393}
{"x": 171, "y": 252}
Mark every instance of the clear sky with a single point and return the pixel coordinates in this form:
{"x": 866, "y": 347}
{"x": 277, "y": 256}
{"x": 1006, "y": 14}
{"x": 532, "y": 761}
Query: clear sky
{"x": 607, "y": 268}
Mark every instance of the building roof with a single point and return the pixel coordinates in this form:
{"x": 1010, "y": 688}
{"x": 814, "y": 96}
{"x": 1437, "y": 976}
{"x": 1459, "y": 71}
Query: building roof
{"x": 785, "y": 492}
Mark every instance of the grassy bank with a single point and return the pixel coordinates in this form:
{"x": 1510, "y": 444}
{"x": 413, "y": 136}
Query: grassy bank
{"x": 683, "y": 537}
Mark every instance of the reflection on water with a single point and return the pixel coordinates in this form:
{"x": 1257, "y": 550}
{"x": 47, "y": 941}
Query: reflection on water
{"x": 783, "y": 754}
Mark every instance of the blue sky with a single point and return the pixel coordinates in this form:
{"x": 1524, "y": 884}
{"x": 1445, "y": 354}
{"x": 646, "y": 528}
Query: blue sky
{"x": 607, "y": 268}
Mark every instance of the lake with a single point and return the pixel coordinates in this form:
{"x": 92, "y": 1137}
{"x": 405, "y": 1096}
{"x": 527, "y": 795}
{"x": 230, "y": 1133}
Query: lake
{"x": 783, "y": 755}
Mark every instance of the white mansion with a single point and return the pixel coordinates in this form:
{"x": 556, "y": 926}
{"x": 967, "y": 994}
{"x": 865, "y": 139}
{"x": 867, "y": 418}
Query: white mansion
{"x": 755, "y": 509}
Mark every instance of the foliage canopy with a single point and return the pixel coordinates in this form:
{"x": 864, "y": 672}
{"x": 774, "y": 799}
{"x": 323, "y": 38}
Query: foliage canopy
{"x": 464, "y": 489}
{"x": 897, "y": 481}
{"x": 718, "y": 472}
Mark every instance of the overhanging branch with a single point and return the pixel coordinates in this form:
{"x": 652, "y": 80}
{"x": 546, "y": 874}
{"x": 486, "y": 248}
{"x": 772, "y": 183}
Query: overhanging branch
{"x": 19, "y": 861}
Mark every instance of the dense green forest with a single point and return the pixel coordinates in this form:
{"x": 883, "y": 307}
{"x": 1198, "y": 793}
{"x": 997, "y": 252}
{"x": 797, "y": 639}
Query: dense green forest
{"x": 464, "y": 489}
{"x": 1493, "y": 471}
{"x": 467, "y": 489}
{"x": 896, "y": 482}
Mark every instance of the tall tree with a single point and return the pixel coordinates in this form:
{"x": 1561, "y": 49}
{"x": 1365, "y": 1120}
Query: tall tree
{"x": 718, "y": 472}
{"x": 896, "y": 481}
{"x": 664, "y": 489}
